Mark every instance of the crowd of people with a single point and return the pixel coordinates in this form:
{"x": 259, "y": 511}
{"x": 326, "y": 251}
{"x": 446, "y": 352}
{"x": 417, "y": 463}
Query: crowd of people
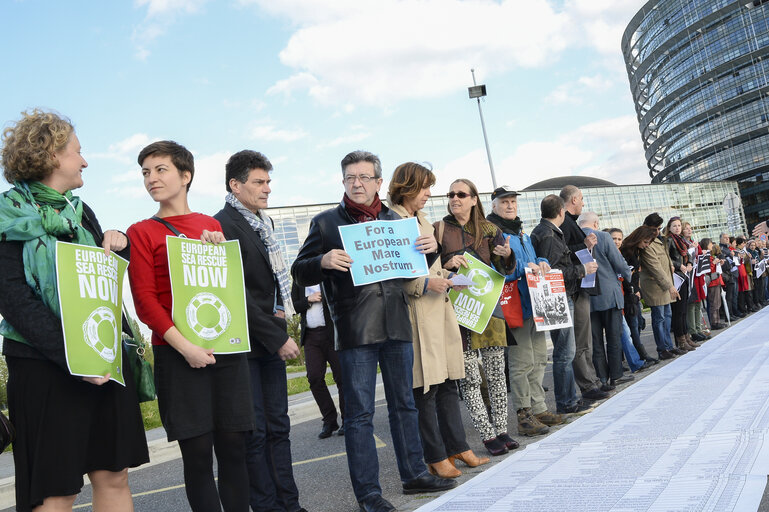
{"x": 69, "y": 426}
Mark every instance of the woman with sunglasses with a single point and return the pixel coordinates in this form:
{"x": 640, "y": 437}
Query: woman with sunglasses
{"x": 465, "y": 229}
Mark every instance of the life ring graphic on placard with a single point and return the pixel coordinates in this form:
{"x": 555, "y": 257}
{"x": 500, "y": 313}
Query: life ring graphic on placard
{"x": 91, "y": 333}
{"x": 487, "y": 286}
{"x": 208, "y": 299}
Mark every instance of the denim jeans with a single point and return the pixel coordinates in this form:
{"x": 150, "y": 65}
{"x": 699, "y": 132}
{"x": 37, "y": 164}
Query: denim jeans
{"x": 396, "y": 359}
{"x": 564, "y": 347}
{"x": 661, "y": 323}
{"x": 268, "y": 448}
{"x": 635, "y": 335}
{"x": 634, "y": 361}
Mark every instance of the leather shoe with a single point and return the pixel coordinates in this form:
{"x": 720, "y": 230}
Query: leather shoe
{"x": 608, "y": 387}
{"x": 644, "y": 366}
{"x": 327, "y": 430}
{"x": 340, "y": 432}
{"x": 510, "y": 443}
{"x": 652, "y": 361}
{"x": 495, "y": 446}
{"x": 595, "y": 394}
{"x": 376, "y": 503}
{"x": 428, "y": 483}
{"x": 698, "y": 337}
{"x": 677, "y": 351}
{"x": 666, "y": 354}
{"x": 622, "y": 380}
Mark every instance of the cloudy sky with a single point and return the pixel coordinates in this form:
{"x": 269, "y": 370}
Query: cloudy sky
{"x": 306, "y": 81}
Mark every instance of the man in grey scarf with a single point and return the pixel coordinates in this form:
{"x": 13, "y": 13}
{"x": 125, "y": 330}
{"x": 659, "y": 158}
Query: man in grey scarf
{"x": 268, "y": 303}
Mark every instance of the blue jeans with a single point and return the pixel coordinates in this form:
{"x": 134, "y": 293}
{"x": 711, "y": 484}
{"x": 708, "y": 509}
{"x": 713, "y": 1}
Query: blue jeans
{"x": 661, "y": 323}
{"x": 631, "y": 354}
{"x": 396, "y": 359}
{"x": 564, "y": 348}
{"x": 268, "y": 448}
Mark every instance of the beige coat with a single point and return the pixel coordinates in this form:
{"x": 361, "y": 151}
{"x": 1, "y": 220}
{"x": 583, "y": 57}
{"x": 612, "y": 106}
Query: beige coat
{"x": 656, "y": 274}
{"x": 437, "y": 343}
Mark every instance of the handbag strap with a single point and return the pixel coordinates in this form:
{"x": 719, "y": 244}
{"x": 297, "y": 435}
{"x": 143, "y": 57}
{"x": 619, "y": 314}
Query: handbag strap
{"x": 138, "y": 340}
{"x": 169, "y": 226}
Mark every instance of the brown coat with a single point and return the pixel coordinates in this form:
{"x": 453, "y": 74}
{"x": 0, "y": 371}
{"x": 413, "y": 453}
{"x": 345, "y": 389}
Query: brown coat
{"x": 437, "y": 343}
{"x": 656, "y": 274}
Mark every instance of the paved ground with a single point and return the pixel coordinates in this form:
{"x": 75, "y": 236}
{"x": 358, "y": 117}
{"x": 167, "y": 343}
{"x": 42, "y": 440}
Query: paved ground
{"x": 320, "y": 466}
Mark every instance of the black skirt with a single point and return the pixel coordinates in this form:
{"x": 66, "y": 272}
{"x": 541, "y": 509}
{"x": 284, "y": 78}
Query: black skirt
{"x": 66, "y": 427}
{"x": 196, "y": 401}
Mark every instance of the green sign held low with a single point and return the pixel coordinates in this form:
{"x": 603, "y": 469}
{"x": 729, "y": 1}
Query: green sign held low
{"x": 90, "y": 298}
{"x": 209, "y": 295}
{"x": 475, "y": 304}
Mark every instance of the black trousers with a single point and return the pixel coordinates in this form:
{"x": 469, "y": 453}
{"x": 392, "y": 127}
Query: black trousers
{"x": 678, "y": 311}
{"x": 608, "y": 360}
{"x": 318, "y": 351}
{"x": 440, "y": 421}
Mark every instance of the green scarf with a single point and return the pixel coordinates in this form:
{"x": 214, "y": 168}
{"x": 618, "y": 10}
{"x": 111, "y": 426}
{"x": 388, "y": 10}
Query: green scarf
{"x": 38, "y": 215}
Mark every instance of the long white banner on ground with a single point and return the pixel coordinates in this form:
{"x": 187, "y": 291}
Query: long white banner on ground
{"x": 690, "y": 436}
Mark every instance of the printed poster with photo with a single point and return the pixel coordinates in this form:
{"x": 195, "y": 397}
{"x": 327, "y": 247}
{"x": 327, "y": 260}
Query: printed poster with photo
{"x": 549, "y": 303}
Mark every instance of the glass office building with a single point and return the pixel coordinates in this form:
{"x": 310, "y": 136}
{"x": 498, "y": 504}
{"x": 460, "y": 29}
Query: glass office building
{"x": 698, "y": 75}
{"x": 625, "y": 207}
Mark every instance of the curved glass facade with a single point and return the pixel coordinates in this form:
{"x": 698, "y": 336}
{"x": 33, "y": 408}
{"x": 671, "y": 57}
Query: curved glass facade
{"x": 699, "y": 76}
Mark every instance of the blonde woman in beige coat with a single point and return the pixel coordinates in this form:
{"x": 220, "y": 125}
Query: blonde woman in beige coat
{"x": 438, "y": 359}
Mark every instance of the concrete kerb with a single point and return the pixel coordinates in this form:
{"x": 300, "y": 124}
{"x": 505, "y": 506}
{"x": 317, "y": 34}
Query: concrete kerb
{"x": 300, "y": 410}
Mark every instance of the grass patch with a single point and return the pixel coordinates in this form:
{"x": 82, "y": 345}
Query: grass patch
{"x": 296, "y": 368}
{"x": 301, "y": 384}
{"x": 150, "y": 415}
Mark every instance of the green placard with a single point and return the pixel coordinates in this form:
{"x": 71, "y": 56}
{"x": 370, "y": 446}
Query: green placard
{"x": 209, "y": 296}
{"x": 475, "y": 304}
{"x": 90, "y": 298}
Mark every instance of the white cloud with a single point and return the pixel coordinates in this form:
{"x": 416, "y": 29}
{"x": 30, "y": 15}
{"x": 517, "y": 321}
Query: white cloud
{"x": 575, "y": 91}
{"x": 126, "y": 150}
{"x": 345, "y": 139}
{"x": 209, "y": 176}
{"x": 381, "y": 51}
{"x": 378, "y": 52}
{"x": 161, "y": 14}
{"x": 610, "y": 149}
{"x": 268, "y": 131}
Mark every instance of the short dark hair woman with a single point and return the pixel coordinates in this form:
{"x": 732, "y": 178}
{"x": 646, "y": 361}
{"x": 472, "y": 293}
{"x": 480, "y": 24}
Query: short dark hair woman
{"x": 65, "y": 426}
{"x": 438, "y": 362}
{"x": 465, "y": 229}
{"x": 204, "y": 400}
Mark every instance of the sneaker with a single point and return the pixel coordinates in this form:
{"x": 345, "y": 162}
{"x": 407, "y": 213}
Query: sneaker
{"x": 529, "y": 425}
{"x": 550, "y": 418}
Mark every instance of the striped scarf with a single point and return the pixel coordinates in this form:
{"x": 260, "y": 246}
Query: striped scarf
{"x": 262, "y": 224}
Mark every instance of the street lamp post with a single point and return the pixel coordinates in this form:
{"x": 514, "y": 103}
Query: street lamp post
{"x": 477, "y": 92}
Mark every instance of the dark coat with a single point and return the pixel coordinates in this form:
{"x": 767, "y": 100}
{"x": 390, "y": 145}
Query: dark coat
{"x": 301, "y": 305}
{"x": 575, "y": 240}
{"x": 267, "y": 332}
{"x": 549, "y": 243}
{"x": 363, "y": 315}
{"x": 610, "y": 265}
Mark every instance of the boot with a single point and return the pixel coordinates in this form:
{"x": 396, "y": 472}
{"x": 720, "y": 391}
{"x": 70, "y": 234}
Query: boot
{"x": 528, "y": 425}
{"x": 681, "y": 344}
{"x": 469, "y": 458}
{"x": 690, "y": 342}
{"x": 444, "y": 469}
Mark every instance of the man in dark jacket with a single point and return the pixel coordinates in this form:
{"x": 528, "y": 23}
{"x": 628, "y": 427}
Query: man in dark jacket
{"x": 547, "y": 239}
{"x": 576, "y": 240}
{"x": 372, "y": 326}
{"x": 317, "y": 338}
{"x": 268, "y": 301}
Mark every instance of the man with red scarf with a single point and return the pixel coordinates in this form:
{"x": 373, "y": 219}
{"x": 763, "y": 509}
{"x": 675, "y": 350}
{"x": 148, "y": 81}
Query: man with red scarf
{"x": 373, "y": 327}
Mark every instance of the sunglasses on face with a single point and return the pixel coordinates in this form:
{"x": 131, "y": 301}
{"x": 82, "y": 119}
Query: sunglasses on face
{"x": 460, "y": 195}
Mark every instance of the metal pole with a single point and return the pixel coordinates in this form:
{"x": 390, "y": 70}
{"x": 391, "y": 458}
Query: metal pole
{"x": 485, "y": 137}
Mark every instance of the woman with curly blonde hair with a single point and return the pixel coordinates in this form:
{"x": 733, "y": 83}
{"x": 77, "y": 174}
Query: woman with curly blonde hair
{"x": 66, "y": 426}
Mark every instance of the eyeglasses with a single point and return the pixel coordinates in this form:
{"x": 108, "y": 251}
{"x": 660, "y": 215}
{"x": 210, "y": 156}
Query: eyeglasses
{"x": 363, "y": 178}
{"x": 460, "y": 195}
